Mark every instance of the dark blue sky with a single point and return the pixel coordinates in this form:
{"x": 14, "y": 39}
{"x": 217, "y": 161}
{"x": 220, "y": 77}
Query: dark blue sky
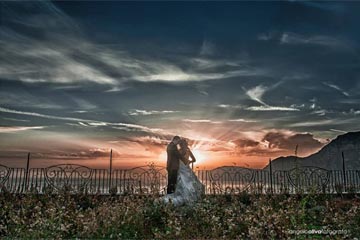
{"x": 247, "y": 80}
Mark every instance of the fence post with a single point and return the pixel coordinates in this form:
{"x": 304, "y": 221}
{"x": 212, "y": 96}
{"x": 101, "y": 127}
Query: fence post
{"x": 27, "y": 173}
{"x": 344, "y": 170}
{"x": 110, "y": 170}
{"x": 271, "y": 183}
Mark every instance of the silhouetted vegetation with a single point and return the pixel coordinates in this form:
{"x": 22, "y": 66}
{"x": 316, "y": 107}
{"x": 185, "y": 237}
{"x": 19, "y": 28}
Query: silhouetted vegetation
{"x": 222, "y": 216}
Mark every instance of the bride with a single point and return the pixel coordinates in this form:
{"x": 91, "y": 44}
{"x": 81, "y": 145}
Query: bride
{"x": 188, "y": 188}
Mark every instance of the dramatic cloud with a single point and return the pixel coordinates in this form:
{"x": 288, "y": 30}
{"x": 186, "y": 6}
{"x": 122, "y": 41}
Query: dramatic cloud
{"x": 287, "y": 141}
{"x": 245, "y": 143}
{"x": 152, "y": 144}
{"x": 141, "y": 73}
{"x": 62, "y": 55}
{"x": 277, "y": 143}
{"x": 92, "y": 153}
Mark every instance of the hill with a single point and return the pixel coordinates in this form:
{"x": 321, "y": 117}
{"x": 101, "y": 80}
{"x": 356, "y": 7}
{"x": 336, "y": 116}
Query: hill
{"x": 329, "y": 157}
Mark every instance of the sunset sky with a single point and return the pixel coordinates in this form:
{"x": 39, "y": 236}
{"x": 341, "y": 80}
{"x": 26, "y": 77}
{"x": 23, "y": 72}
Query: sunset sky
{"x": 243, "y": 81}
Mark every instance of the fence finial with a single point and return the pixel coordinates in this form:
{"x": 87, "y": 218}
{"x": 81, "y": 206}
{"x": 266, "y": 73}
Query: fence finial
{"x": 270, "y": 168}
{"x": 27, "y": 172}
{"x": 110, "y": 172}
{"x": 343, "y": 169}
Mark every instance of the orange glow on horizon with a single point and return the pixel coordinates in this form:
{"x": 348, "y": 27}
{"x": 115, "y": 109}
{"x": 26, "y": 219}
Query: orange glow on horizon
{"x": 200, "y": 156}
{"x": 210, "y": 149}
{"x": 163, "y": 156}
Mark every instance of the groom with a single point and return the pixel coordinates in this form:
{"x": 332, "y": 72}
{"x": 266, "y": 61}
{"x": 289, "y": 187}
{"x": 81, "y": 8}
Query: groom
{"x": 172, "y": 167}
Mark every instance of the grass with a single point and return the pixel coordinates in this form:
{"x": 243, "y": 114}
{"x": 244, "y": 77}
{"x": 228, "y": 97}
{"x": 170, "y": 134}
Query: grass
{"x": 143, "y": 217}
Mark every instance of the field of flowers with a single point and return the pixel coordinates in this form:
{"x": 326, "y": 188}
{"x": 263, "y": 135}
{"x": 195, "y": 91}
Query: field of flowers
{"x": 143, "y": 217}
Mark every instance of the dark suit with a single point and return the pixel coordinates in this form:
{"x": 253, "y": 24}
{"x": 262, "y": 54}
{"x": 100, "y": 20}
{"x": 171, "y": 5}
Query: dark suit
{"x": 173, "y": 161}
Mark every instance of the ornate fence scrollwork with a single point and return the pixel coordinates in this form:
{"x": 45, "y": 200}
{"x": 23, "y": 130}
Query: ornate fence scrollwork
{"x": 230, "y": 180}
{"x": 281, "y": 181}
{"x": 152, "y": 179}
{"x": 4, "y": 174}
{"x": 308, "y": 178}
{"x": 70, "y": 176}
{"x": 146, "y": 179}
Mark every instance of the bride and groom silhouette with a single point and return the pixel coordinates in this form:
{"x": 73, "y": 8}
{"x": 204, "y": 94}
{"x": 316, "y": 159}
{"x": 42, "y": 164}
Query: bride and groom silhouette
{"x": 183, "y": 185}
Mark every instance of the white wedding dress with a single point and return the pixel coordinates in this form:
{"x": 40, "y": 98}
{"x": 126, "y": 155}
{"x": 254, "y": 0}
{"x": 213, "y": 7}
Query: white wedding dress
{"x": 188, "y": 188}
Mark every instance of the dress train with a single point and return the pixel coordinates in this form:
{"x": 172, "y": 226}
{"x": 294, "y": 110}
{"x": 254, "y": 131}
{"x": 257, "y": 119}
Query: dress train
{"x": 188, "y": 188}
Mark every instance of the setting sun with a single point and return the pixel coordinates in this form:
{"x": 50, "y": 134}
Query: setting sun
{"x": 163, "y": 156}
{"x": 200, "y": 156}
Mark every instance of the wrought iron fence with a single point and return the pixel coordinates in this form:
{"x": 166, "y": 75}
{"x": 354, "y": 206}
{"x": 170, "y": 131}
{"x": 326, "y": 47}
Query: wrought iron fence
{"x": 153, "y": 179}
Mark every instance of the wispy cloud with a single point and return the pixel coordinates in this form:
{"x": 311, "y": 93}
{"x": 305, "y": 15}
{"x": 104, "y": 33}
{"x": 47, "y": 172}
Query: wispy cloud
{"x": 290, "y": 38}
{"x": 265, "y": 107}
{"x": 242, "y": 120}
{"x": 16, "y": 120}
{"x": 80, "y": 111}
{"x": 230, "y": 106}
{"x": 335, "y": 7}
{"x": 203, "y": 63}
{"x": 326, "y": 122}
{"x": 12, "y": 129}
{"x": 87, "y": 122}
{"x": 83, "y": 124}
{"x": 355, "y": 112}
{"x": 328, "y": 41}
{"x": 333, "y": 86}
{"x": 313, "y": 123}
{"x": 137, "y": 112}
{"x": 69, "y": 58}
{"x": 99, "y": 64}
{"x": 33, "y": 62}
{"x": 265, "y": 36}
{"x": 207, "y": 48}
{"x": 257, "y": 93}
{"x": 320, "y": 112}
{"x": 24, "y": 98}
{"x": 34, "y": 114}
{"x": 337, "y": 130}
{"x": 271, "y": 108}
{"x": 201, "y": 121}
{"x": 178, "y": 75}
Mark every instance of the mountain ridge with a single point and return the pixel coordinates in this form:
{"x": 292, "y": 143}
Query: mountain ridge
{"x": 328, "y": 157}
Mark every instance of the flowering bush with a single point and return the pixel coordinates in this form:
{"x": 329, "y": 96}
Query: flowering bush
{"x": 226, "y": 216}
